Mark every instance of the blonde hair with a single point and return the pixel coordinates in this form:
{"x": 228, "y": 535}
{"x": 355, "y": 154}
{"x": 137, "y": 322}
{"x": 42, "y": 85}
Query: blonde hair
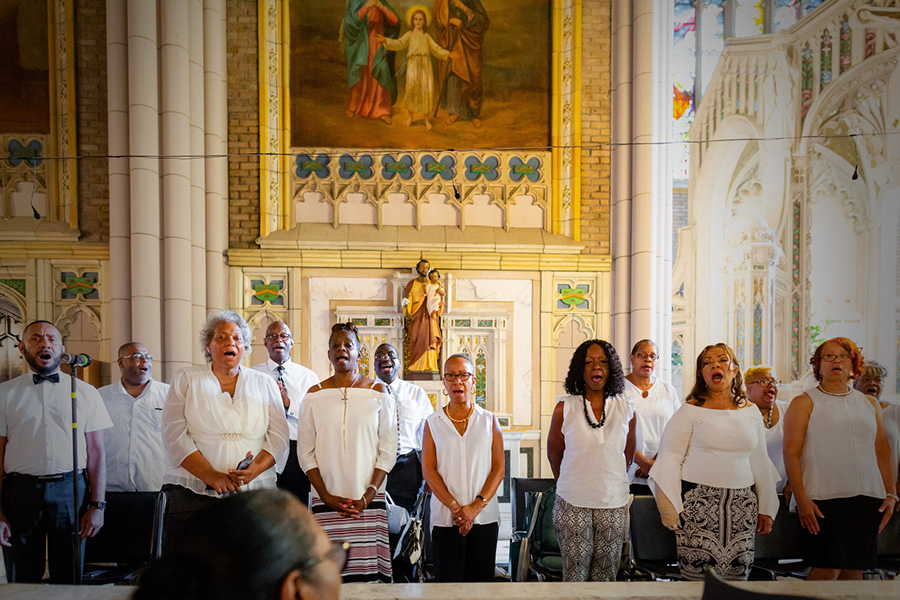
{"x": 756, "y": 371}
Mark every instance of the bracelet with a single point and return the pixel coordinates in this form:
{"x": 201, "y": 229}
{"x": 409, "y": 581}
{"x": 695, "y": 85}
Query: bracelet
{"x": 373, "y": 488}
{"x": 484, "y": 502}
{"x": 894, "y": 496}
{"x": 453, "y": 501}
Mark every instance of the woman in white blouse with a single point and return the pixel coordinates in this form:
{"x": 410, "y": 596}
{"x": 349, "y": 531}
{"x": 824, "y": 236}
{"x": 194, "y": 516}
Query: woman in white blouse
{"x": 462, "y": 461}
{"x": 589, "y": 446}
{"x": 762, "y": 391}
{"x": 871, "y": 383}
{"x": 712, "y": 454}
{"x": 655, "y": 401}
{"x": 347, "y": 444}
{"x": 217, "y": 416}
{"x": 838, "y": 462}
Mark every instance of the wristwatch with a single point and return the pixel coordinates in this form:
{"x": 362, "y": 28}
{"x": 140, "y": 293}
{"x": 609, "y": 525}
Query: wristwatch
{"x": 98, "y": 504}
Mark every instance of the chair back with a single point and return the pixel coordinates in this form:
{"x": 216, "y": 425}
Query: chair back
{"x": 521, "y": 486}
{"x": 544, "y": 540}
{"x": 650, "y": 540}
{"x": 889, "y": 539}
{"x": 132, "y": 530}
{"x": 783, "y": 542}
{"x": 715, "y": 588}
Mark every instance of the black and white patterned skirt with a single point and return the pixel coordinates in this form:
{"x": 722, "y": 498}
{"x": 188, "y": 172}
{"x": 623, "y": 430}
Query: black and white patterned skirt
{"x": 719, "y": 531}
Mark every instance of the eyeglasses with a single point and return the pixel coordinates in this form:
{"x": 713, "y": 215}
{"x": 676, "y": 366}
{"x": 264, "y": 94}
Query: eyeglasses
{"x": 766, "y": 382}
{"x": 137, "y": 356}
{"x": 642, "y": 356}
{"x": 464, "y": 376}
{"x": 336, "y": 554}
{"x": 380, "y": 357}
{"x": 278, "y": 336}
{"x": 830, "y": 357}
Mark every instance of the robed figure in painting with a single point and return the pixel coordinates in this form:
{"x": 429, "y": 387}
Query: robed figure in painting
{"x": 370, "y": 68}
{"x": 423, "y": 342}
{"x": 461, "y": 25}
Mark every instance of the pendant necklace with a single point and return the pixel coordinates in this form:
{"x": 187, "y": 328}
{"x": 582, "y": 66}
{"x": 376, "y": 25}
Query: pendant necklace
{"x": 344, "y": 420}
{"x": 352, "y": 383}
{"x": 602, "y": 415}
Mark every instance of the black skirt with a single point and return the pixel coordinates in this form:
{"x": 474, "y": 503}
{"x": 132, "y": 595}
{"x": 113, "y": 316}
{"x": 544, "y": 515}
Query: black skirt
{"x": 848, "y": 535}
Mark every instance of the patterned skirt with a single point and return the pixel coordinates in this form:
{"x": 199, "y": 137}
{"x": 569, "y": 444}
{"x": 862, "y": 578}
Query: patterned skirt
{"x": 369, "y": 557}
{"x": 719, "y": 531}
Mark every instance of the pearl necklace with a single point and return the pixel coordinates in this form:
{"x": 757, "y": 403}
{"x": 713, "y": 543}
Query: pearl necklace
{"x": 836, "y": 394}
{"x": 465, "y": 420}
{"x": 769, "y": 418}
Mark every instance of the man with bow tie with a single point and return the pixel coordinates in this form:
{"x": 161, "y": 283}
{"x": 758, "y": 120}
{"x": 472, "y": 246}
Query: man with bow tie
{"x": 293, "y": 381}
{"x": 36, "y": 461}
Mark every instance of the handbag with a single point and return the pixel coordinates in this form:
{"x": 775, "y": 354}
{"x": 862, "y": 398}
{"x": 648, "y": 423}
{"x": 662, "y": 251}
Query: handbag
{"x": 411, "y": 545}
{"x": 397, "y": 516}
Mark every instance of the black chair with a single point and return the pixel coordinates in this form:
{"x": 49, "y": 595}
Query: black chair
{"x": 546, "y": 557}
{"x": 130, "y": 538}
{"x": 779, "y": 552}
{"x": 653, "y": 547}
{"x": 520, "y": 487}
{"x": 716, "y": 588}
{"x": 888, "y": 565}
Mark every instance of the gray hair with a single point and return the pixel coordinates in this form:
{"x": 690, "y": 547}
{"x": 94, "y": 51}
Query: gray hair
{"x": 874, "y": 367}
{"x": 462, "y": 356}
{"x": 213, "y": 321}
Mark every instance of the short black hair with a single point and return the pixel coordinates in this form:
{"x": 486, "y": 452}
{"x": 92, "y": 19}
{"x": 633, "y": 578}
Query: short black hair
{"x": 349, "y": 326}
{"x": 615, "y": 382}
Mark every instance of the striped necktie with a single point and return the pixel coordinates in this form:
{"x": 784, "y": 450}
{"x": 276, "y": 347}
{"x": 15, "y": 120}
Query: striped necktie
{"x": 397, "y": 408}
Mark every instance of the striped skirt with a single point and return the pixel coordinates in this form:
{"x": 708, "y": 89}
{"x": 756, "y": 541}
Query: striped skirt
{"x": 369, "y": 558}
{"x": 719, "y": 531}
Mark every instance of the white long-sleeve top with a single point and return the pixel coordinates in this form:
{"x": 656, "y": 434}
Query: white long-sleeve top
{"x": 347, "y": 439}
{"x": 593, "y": 473}
{"x": 464, "y": 463}
{"x": 718, "y": 448}
{"x": 775, "y": 444}
{"x": 199, "y": 416}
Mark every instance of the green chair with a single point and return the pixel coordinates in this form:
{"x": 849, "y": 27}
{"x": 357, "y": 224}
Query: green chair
{"x": 546, "y": 560}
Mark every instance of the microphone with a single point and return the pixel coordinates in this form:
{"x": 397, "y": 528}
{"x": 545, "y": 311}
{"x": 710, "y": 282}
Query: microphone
{"x": 76, "y": 360}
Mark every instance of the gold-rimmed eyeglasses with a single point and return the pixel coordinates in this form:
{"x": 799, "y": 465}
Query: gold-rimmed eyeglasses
{"x": 766, "y": 382}
{"x": 278, "y": 336}
{"x": 337, "y": 554}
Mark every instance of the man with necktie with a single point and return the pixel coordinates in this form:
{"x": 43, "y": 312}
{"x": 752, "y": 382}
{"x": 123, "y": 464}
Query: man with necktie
{"x": 293, "y": 381}
{"x": 36, "y": 461}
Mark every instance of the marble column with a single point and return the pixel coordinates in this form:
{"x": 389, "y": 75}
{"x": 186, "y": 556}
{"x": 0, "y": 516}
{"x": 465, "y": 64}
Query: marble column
{"x": 143, "y": 115}
{"x": 119, "y": 181}
{"x": 176, "y": 186}
{"x": 216, "y": 121}
{"x": 198, "y": 177}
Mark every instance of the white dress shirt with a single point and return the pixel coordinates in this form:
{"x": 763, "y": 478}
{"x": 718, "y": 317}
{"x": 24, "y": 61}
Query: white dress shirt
{"x": 199, "y": 416}
{"x": 347, "y": 439}
{"x": 718, "y": 448}
{"x": 37, "y": 423}
{"x": 464, "y": 463}
{"x": 135, "y": 456}
{"x": 413, "y": 407}
{"x": 297, "y": 381}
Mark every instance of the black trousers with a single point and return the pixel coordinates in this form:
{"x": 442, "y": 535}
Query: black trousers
{"x": 181, "y": 505}
{"x": 465, "y": 558}
{"x": 293, "y": 479}
{"x": 403, "y": 484}
{"x": 40, "y": 515}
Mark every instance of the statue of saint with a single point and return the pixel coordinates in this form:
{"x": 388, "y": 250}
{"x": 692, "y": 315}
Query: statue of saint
{"x": 423, "y": 334}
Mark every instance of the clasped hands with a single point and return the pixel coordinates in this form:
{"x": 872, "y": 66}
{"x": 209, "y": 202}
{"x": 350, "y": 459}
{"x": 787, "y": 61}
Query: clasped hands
{"x": 464, "y": 516}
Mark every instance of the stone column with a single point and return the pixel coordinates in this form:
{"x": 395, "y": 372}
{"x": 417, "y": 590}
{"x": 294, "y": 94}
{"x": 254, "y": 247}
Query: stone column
{"x": 143, "y": 114}
{"x": 176, "y": 186}
{"x": 198, "y": 178}
{"x": 620, "y": 211}
{"x": 216, "y": 121}
{"x": 119, "y": 193}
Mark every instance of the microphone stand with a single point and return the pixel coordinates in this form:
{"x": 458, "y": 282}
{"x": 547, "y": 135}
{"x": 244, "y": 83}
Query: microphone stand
{"x": 76, "y": 521}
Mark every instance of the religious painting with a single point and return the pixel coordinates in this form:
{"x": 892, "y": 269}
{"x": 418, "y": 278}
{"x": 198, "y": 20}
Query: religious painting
{"x": 433, "y": 74}
{"x": 24, "y": 70}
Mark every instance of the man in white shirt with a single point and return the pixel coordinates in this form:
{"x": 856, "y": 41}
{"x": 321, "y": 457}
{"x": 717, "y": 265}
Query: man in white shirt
{"x": 36, "y": 461}
{"x": 413, "y": 406}
{"x": 294, "y": 381}
{"x": 135, "y": 456}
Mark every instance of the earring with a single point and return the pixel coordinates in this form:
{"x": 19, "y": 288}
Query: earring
{"x": 444, "y": 392}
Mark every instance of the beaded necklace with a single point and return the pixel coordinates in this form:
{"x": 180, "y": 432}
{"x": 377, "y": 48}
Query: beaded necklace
{"x": 588, "y": 417}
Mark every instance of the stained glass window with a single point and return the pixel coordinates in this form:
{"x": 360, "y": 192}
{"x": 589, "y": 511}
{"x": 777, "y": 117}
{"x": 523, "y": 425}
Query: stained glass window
{"x": 809, "y": 5}
{"x": 846, "y": 45}
{"x": 785, "y": 13}
{"x": 684, "y": 59}
{"x": 825, "y": 66}
{"x": 364, "y": 361}
{"x": 748, "y": 18}
{"x": 480, "y": 379}
{"x": 713, "y": 39}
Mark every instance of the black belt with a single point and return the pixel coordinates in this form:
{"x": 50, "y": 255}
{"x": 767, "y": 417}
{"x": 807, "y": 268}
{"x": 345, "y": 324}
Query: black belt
{"x": 43, "y": 478}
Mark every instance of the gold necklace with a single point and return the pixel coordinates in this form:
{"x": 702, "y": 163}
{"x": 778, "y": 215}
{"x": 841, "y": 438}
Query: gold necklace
{"x": 465, "y": 420}
{"x": 352, "y": 383}
{"x": 344, "y": 419}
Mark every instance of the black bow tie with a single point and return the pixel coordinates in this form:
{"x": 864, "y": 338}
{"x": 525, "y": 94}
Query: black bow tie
{"x": 38, "y": 379}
